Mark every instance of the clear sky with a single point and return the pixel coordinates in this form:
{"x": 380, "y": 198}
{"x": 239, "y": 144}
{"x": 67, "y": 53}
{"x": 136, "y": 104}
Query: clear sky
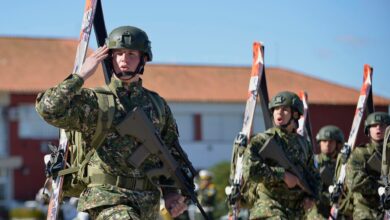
{"x": 328, "y": 39}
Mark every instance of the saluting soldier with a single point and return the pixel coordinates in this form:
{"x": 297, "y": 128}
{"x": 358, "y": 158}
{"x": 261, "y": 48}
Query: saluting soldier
{"x": 117, "y": 189}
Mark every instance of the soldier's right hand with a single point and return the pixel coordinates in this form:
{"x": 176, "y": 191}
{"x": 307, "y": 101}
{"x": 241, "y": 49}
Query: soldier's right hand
{"x": 290, "y": 180}
{"x": 91, "y": 63}
{"x": 175, "y": 203}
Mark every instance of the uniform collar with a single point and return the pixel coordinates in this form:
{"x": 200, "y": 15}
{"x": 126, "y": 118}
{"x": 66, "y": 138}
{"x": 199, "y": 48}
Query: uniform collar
{"x": 377, "y": 146}
{"x": 117, "y": 86}
{"x": 281, "y": 132}
{"x": 325, "y": 157}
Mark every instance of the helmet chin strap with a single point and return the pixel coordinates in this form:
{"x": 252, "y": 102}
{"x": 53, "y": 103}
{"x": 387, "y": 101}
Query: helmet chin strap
{"x": 138, "y": 70}
{"x": 292, "y": 119}
{"x": 287, "y": 124}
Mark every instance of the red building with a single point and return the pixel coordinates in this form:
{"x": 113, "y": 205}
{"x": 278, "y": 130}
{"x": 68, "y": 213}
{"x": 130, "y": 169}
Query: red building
{"x": 29, "y": 66}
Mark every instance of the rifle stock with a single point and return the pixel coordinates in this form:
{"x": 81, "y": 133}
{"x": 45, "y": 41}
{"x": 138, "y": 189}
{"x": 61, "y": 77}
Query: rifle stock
{"x": 138, "y": 125}
{"x": 272, "y": 151}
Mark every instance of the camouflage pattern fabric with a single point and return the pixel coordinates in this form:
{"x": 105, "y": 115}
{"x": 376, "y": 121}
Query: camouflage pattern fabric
{"x": 325, "y": 162}
{"x": 71, "y": 107}
{"x": 123, "y": 212}
{"x": 265, "y": 188}
{"x": 363, "y": 183}
{"x": 207, "y": 198}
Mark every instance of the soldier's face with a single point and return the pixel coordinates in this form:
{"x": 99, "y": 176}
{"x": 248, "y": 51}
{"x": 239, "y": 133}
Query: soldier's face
{"x": 377, "y": 132}
{"x": 204, "y": 183}
{"x": 328, "y": 146}
{"x": 281, "y": 115}
{"x": 125, "y": 60}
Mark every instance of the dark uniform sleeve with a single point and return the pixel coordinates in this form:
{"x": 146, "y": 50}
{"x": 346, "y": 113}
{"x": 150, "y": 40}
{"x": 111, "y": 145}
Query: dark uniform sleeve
{"x": 68, "y": 106}
{"x": 255, "y": 169}
{"x": 315, "y": 179}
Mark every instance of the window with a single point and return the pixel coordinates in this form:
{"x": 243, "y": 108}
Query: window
{"x": 185, "y": 124}
{"x": 32, "y": 126}
{"x": 221, "y": 127}
{"x": 197, "y": 127}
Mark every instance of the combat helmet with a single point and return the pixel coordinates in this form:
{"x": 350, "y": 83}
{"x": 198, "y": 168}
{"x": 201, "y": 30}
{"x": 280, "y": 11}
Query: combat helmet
{"x": 129, "y": 37}
{"x": 376, "y": 118}
{"x": 205, "y": 175}
{"x": 286, "y": 98}
{"x": 330, "y": 132}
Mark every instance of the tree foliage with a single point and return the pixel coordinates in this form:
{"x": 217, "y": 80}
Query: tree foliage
{"x": 221, "y": 173}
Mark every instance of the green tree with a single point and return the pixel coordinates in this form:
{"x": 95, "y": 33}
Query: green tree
{"x": 221, "y": 173}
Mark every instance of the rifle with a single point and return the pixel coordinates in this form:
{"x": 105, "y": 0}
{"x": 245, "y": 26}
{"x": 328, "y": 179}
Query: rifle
{"x": 384, "y": 191}
{"x": 257, "y": 88}
{"x": 364, "y": 102}
{"x": 63, "y": 148}
{"x": 101, "y": 34}
{"x": 274, "y": 152}
{"x": 138, "y": 125}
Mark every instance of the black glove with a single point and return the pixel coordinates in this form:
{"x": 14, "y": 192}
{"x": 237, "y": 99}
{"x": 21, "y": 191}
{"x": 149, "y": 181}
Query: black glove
{"x": 385, "y": 198}
{"x": 345, "y": 152}
{"x": 56, "y": 162}
{"x": 336, "y": 193}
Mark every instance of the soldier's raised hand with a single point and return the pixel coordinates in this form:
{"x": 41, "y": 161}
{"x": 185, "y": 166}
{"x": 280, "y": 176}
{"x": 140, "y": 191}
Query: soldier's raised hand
{"x": 91, "y": 63}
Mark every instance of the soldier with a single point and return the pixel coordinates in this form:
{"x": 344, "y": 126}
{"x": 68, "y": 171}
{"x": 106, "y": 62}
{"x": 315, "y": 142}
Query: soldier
{"x": 331, "y": 140}
{"x": 119, "y": 191}
{"x": 273, "y": 191}
{"x": 206, "y": 194}
{"x": 364, "y": 169}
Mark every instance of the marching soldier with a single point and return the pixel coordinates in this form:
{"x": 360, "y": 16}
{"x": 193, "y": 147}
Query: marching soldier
{"x": 274, "y": 191}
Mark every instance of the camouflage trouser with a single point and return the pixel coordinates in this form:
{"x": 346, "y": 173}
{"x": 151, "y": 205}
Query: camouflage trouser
{"x": 121, "y": 212}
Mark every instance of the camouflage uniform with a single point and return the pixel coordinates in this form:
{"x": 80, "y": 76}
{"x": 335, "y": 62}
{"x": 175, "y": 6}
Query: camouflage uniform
{"x": 71, "y": 107}
{"x": 326, "y": 164}
{"x": 206, "y": 197}
{"x": 266, "y": 189}
{"x": 362, "y": 178}
{"x": 363, "y": 182}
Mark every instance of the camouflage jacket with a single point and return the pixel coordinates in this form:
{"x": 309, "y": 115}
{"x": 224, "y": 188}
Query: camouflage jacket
{"x": 207, "y": 196}
{"x": 327, "y": 166}
{"x": 267, "y": 177}
{"x": 363, "y": 182}
{"x": 71, "y": 107}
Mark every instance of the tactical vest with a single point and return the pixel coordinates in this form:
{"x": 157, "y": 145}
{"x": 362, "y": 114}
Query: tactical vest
{"x": 76, "y": 177}
{"x": 250, "y": 189}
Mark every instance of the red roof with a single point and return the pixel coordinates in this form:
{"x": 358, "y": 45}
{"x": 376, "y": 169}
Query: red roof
{"x": 33, "y": 64}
